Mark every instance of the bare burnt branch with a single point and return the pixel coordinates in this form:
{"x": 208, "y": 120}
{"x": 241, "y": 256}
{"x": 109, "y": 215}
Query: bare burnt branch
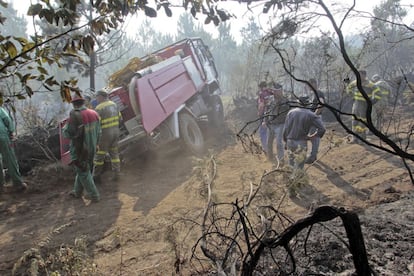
{"x": 321, "y": 214}
{"x": 235, "y": 241}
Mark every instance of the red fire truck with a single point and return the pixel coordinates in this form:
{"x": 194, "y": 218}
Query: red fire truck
{"x": 175, "y": 99}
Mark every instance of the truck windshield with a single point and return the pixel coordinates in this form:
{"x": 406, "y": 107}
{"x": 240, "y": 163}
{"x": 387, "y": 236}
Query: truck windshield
{"x": 205, "y": 54}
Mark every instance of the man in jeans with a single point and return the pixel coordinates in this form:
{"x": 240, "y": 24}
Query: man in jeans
{"x": 296, "y": 132}
{"x": 276, "y": 112}
{"x": 264, "y": 94}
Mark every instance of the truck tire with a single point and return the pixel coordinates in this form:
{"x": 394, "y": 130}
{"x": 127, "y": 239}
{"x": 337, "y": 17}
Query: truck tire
{"x": 191, "y": 134}
{"x": 216, "y": 115}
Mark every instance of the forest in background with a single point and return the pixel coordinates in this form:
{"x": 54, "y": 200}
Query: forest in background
{"x": 76, "y": 48}
{"x": 383, "y": 48}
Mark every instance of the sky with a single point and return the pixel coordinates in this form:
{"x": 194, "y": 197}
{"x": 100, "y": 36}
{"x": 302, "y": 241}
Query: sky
{"x": 241, "y": 12}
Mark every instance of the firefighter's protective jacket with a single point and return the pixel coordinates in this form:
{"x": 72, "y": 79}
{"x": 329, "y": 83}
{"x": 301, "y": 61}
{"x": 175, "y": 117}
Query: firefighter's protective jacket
{"x": 373, "y": 91}
{"x": 110, "y": 118}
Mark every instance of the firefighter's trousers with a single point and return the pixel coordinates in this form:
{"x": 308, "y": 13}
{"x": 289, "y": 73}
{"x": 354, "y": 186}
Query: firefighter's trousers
{"x": 378, "y": 113}
{"x": 108, "y": 144}
{"x": 359, "y": 109}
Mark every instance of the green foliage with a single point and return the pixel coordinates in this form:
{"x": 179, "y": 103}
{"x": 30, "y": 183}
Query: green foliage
{"x": 35, "y": 55}
{"x": 24, "y": 60}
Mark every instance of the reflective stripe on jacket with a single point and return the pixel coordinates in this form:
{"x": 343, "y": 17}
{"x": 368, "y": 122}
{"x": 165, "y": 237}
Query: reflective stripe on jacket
{"x": 384, "y": 91}
{"x": 109, "y": 114}
{"x": 385, "y": 88}
{"x": 370, "y": 88}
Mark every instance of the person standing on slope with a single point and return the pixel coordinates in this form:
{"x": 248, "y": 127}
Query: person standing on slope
{"x": 276, "y": 112}
{"x": 359, "y": 106}
{"x": 264, "y": 95}
{"x": 84, "y": 131}
{"x": 7, "y": 129}
{"x": 110, "y": 118}
{"x": 296, "y": 132}
{"x": 318, "y": 100}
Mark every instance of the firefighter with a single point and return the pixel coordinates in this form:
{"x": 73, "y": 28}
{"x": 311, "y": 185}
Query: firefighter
{"x": 84, "y": 130}
{"x": 359, "y": 107}
{"x": 7, "y": 129}
{"x": 382, "y": 96}
{"x": 110, "y": 118}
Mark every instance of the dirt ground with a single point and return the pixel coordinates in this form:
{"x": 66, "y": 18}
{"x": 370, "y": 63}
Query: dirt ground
{"x": 129, "y": 231}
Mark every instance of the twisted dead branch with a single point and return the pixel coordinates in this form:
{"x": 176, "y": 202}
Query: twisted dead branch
{"x": 236, "y": 240}
{"x": 321, "y": 214}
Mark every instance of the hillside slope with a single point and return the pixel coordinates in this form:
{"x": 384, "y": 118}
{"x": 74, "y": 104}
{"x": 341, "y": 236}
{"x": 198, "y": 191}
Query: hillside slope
{"x": 138, "y": 227}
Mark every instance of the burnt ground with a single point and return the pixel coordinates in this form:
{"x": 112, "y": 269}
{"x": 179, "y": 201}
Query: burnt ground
{"x": 129, "y": 231}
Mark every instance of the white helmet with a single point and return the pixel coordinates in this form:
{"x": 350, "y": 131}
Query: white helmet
{"x": 375, "y": 78}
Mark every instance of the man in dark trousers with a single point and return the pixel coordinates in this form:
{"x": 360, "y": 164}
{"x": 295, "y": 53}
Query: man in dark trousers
{"x": 318, "y": 99}
{"x": 296, "y": 132}
{"x": 84, "y": 131}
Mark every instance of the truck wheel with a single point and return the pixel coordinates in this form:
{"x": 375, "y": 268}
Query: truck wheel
{"x": 191, "y": 134}
{"x": 216, "y": 115}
